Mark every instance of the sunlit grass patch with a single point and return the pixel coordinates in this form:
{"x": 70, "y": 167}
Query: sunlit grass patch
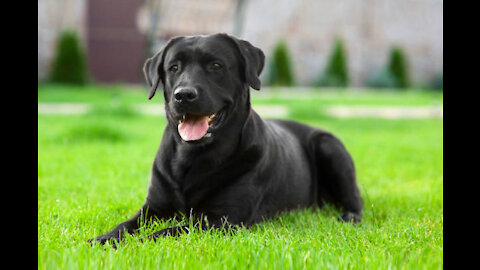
{"x": 94, "y": 171}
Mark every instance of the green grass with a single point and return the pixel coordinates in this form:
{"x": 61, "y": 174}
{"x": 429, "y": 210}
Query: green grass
{"x": 127, "y": 95}
{"x": 94, "y": 169}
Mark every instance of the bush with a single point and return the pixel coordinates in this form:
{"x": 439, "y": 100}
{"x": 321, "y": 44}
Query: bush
{"x": 399, "y": 68}
{"x": 280, "y": 70}
{"x": 394, "y": 75}
{"x": 437, "y": 82}
{"x": 336, "y": 72}
{"x": 69, "y": 65}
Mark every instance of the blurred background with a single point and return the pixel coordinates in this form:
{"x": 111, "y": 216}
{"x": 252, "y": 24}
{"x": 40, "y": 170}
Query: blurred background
{"x": 319, "y": 43}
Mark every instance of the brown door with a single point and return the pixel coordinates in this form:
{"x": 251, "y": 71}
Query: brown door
{"x": 116, "y": 49}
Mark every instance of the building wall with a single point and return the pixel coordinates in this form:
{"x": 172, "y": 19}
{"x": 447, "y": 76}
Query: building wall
{"x": 309, "y": 27}
{"x": 369, "y": 29}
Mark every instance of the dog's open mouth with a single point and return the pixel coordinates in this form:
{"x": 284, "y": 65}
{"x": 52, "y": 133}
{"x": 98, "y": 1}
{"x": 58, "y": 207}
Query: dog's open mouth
{"x": 195, "y": 127}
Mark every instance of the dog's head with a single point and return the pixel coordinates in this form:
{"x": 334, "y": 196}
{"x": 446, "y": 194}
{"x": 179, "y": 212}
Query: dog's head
{"x": 206, "y": 81}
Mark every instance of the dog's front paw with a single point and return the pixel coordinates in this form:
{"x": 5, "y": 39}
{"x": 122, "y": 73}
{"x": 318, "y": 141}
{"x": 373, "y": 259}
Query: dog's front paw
{"x": 105, "y": 238}
{"x": 350, "y": 217}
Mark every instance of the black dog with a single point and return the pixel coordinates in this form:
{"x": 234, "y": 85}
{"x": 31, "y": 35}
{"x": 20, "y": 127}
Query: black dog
{"x": 218, "y": 159}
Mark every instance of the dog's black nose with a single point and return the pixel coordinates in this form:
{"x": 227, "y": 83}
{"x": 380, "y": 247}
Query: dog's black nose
{"x": 185, "y": 94}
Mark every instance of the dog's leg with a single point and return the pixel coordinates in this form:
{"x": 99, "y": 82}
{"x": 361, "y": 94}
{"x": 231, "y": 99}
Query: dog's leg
{"x": 172, "y": 231}
{"x": 218, "y": 224}
{"x": 336, "y": 177}
{"x": 129, "y": 226}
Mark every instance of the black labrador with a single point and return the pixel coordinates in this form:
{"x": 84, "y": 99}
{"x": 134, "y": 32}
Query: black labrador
{"x": 218, "y": 161}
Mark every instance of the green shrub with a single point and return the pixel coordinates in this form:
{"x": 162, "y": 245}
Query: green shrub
{"x": 398, "y": 67}
{"x": 394, "y": 75}
{"x": 280, "y": 70}
{"x": 69, "y": 65}
{"x": 437, "y": 82}
{"x": 336, "y": 72}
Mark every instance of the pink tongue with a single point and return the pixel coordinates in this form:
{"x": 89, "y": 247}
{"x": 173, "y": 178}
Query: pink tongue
{"x": 193, "y": 128}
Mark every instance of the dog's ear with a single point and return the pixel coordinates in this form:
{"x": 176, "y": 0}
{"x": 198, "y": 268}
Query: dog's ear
{"x": 254, "y": 60}
{"x": 153, "y": 68}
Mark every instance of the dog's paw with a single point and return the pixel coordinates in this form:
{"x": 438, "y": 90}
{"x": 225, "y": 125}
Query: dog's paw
{"x": 153, "y": 237}
{"x": 350, "y": 217}
{"x": 105, "y": 238}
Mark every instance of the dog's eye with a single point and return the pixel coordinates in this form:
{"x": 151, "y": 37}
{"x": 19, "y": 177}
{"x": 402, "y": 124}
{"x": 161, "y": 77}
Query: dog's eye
{"x": 216, "y": 66}
{"x": 173, "y": 68}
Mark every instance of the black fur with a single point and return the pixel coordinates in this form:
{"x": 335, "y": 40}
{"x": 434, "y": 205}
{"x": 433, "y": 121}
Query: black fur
{"x": 249, "y": 169}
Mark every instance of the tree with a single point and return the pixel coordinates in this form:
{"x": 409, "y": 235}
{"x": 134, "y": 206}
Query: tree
{"x": 280, "y": 72}
{"x": 69, "y": 65}
{"x": 336, "y": 72}
{"x": 398, "y": 67}
{"x": 394, "y": 74}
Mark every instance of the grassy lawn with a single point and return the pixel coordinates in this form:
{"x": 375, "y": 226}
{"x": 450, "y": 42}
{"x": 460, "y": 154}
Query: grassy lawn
{"x": 94, "y": 170}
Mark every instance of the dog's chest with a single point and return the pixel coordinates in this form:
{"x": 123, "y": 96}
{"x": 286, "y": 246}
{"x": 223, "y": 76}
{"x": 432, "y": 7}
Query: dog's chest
{"x": 198, "y": 182}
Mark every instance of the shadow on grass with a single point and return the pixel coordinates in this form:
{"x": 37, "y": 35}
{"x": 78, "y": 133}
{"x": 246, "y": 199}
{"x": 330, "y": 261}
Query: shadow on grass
{"x": 99, "y": 132}
{"x": 117, "y": 110}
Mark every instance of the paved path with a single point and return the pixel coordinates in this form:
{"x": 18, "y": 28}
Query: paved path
{"x": 63, "y": 108}
{"x": 387, "y": 112}
{"x": 148, "y": 109}
{"x": 279, "y": 111}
